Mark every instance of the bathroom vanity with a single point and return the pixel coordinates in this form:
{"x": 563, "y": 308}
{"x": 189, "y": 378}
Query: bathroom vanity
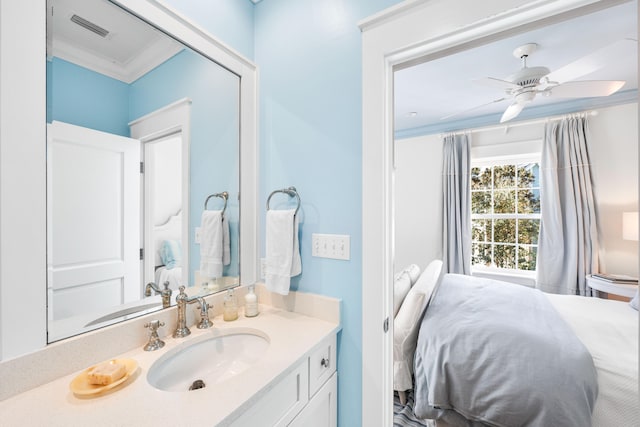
{"x": 293, "y": 382}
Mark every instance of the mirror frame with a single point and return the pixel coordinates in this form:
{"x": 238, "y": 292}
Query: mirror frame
{"x": 23, "y": 290}
{"x": 387, "y": 45}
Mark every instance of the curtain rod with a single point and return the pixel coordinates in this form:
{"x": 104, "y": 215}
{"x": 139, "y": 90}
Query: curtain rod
{"x": 520, "y": 123}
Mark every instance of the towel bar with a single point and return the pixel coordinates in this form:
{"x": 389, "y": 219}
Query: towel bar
{"x": 291, "y": 192}
{"x": 224, "y": 195}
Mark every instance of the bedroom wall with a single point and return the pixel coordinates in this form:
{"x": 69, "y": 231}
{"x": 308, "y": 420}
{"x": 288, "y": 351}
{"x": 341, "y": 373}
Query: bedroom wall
{"x": 614, "y": 156}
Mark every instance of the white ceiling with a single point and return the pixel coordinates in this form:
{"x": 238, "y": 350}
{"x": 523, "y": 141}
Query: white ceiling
{"x": 131, "y": 49}
{"x": 444, "y": 86}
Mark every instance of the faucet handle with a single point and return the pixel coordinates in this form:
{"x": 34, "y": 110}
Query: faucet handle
{"x": 154, "y": 325}
{"x": 204, "y": 314}
{"x": 155, "y": 342}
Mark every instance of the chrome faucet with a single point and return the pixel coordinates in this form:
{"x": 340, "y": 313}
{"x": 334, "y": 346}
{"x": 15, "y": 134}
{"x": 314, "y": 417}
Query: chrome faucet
{"x": 182, "y": 300}
{"x": 154, "y": 340}
{"x": 165, "y": 293}
{"x": 204, "y": 314}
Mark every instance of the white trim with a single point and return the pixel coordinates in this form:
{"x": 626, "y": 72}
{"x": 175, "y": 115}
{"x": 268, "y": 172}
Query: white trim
{"x": 171, "y": 119}
{"x": 153, "y": 56}
{"x": 23, "y": 288}
{"x": 415, "y": 31}
{"x": 23, "y": 120}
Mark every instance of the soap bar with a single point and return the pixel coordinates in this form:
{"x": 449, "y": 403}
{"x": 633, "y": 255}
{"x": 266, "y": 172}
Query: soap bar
{"x": 106, "y": 373}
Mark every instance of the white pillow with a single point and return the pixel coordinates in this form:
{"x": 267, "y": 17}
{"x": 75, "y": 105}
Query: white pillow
{"x": 634, "y": 301}
{"x": 414, "y": 272}
{"x": 401, "y": 286}
{"x": 406, "y": 325}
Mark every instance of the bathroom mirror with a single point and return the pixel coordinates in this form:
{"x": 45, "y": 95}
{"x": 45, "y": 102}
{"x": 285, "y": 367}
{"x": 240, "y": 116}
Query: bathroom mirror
{"x": 143, "y": 135}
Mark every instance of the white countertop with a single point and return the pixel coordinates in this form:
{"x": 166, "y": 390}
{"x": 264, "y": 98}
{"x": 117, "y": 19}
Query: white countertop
{"x": 136, "y": 403}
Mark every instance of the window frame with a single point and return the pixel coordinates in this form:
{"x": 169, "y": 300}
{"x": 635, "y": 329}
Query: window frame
{"x": 500, "y": 160}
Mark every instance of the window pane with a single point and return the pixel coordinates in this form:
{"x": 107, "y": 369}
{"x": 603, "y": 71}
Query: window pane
{"x": 504, "y": 201}
{"x": 504, "y": 176}
{"x": 480, "y": 178}
{"x": 505, "y": 256}
{"x": 528, "y": 230}
{"x": 480, "y": 254}
{"x": 527, "y": 257}
{"x": 504, "y": 231}
{"x": 529, "y": 175}
{"x": 480, "y": 202}
{"x": 528, "y": 201}
{"x": 481, "y": 230}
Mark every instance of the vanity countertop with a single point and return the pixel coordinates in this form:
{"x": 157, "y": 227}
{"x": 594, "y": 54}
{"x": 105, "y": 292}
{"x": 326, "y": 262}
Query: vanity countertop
{"x": 136, "y": 403}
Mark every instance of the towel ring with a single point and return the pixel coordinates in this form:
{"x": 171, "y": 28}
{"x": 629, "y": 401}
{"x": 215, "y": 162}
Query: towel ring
{"x": 291, "y": 192}
{"x": 224, "y": 195}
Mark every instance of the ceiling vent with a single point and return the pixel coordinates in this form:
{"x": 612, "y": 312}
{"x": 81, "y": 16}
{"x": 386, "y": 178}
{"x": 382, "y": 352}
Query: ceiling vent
{"x": 89, "y": 26}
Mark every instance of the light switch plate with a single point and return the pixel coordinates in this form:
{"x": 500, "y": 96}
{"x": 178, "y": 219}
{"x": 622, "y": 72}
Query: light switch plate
{"x": 334, "y": 246}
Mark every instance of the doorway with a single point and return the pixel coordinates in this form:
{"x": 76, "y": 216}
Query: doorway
{"x": 412, "y": 33}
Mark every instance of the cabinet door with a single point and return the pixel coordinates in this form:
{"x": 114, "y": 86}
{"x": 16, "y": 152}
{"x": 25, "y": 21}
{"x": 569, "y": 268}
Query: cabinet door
{"x": 282, "y": 402}
{"x": 322, "y": 363}
{"x": 321, "y": 411}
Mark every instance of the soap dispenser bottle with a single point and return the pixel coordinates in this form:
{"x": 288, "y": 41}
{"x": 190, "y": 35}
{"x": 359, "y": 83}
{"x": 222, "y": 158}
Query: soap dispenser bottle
{"x": 250, "y": 303}
{"x": 230, "y": 311}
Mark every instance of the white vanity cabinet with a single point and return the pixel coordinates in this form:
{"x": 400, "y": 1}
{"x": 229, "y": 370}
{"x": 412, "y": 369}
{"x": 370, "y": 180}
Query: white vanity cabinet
{"x": 305, "y": 397}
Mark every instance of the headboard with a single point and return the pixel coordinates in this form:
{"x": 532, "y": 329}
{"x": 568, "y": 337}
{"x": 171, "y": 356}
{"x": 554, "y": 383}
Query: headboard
{"x": 170, "y": 230}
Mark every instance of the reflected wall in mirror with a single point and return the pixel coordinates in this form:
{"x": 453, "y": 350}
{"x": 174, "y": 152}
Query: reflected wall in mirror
{"x": 141, "y": 131}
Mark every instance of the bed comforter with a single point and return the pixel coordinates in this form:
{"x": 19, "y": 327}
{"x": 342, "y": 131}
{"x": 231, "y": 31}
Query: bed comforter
{"x": 491, "y": 353}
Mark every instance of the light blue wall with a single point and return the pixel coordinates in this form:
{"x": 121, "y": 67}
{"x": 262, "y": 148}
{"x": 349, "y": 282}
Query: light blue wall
{"x": 83, "y": 97}
{"x": 231, "y": 21}
{"x": 309, "y": 55}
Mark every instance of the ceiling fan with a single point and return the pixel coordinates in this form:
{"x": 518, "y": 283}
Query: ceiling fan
{"x": 523, "y": 86}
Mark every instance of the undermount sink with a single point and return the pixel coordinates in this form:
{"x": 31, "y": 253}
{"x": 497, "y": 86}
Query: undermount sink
{"x": 138, "y": 310}
{"x": 208, "y": 359}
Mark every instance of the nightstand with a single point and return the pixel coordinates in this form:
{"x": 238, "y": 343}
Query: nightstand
{"x": 612, "y": 289}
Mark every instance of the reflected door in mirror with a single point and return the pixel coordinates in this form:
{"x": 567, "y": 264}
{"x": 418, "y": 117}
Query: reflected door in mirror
{"x": 93, "y": 220}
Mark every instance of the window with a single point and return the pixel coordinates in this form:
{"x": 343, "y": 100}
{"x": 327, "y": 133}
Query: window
{"x": 505, "y": 213}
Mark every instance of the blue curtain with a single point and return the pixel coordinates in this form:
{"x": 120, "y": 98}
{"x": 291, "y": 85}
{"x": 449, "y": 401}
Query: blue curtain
{"x": 456, "y": 238}
{"x": 568, "y": 242}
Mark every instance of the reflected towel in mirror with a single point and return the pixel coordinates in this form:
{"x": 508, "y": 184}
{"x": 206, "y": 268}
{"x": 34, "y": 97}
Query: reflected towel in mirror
{"x": 282, "y": 250}
{"x": 211, "y": 244}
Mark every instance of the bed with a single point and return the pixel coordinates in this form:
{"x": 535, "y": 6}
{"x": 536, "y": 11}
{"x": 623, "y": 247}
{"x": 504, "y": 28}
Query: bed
{"x": 167, "y": 239}
{"x": 588, "y": 366}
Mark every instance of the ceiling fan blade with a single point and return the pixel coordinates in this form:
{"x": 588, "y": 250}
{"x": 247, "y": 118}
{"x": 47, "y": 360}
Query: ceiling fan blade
{"x": 594, "y": 61}
{"x": 511, "y": 112}
{"x": 458, "y": 113}
{"x": 496, "y": 83}
{"x": 586, "y": 88}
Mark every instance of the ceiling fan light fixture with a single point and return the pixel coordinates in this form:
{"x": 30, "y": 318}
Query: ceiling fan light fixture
{"x": 525, "y": 97}
{"x": 511, "y": 112}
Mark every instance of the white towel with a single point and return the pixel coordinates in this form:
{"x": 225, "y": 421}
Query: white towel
{"x": 211, "y": 244}
{"x": 282, "y": 250}
{"x": 226, "y": 244}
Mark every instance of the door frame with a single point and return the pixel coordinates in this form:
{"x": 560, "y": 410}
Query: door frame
{"x": 171, "y": 119}
{"x": 409, "y": 33}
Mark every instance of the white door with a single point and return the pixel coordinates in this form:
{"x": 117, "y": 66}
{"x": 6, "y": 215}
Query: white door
{"x": 93, "y": 220}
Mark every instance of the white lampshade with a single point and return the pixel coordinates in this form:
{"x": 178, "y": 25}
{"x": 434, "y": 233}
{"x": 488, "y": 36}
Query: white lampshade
{"x": 630, "y": 225}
